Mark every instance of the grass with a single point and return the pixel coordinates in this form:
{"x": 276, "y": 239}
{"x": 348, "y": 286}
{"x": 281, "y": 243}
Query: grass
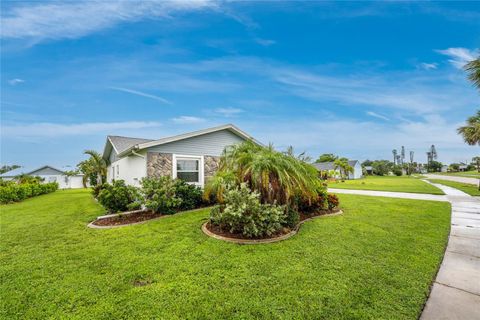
{"x": 387, "y": 183}
{"x": 465, "y": 187}
{"x": 377, "y": 260}
{"x": 469, "y": 174}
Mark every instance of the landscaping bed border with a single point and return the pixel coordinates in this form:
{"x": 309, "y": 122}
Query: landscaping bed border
{"x": 270, "y": 240}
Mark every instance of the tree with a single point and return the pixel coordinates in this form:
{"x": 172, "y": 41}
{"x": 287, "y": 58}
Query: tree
{"x": 326, "y": 157}
{"x": 473, "y": 70}
{"x": 476, "y": 160}
{"x": 6, "y": 168}
{"x": 394, "y": 152}
{"x": 471, "y": 130}
{"x": 382, "y": 167}
{"x": 343, "y": 166}
{"x": 435, "y": 166}
{"x": 94, "y": 169}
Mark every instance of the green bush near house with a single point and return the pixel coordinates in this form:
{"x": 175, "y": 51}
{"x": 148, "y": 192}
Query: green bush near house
{"x": 118, "y": 197}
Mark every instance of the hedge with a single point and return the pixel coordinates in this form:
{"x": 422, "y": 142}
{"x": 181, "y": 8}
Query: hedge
{"x": 14, "y": 192}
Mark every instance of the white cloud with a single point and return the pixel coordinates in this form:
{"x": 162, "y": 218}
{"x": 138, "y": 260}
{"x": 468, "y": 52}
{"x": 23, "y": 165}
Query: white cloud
{"x": 376, "y": 115}
{"x": 265, "y": 42}
{"x": 459, "y": 56}
{"x": 187, "y": 120}
{"x": 428, "y": 66}
{"x": 15, "y": 81}
{"x": 228, "y": 112}
{"x": 142, "y": 94}
{"x": 76, "y": 19}
{"x": 46, "y": 129}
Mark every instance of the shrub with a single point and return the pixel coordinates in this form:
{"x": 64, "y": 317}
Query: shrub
{"x": 118, "y": 196}
{"x": 96, "y": 190}
{"x": 243, "y": 213}
{"x": 292, "y": 218}
{"x": 14, "y": 192}
{"x": 191, "y": 195}
{"x": 332, "y": 201}
{"x": 314, "y": 205}
{"x": 397, "y": 171}
{"x": 160, "y": 195}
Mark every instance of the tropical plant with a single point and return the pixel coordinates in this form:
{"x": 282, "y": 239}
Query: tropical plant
{"x": 160, "y": 195}
{"x": 216, "y": 185}
{"x": 473, "y": 70}
{"x": 343, "y": 167}
{"x": 276, "y": 176}
{"x": 471, "y": 130}
{"x": 332, "y": 201}
{"x": 242, "y": 212}
{"x": 326, "y": 157}
{"x": 94, "y": 169}
{"x": 476, "y": 161}
{"x": 118, "y": 196}
{"x": 190, "y": 194}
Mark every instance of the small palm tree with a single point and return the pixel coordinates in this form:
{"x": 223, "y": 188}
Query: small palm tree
{"x": 471, "y": 131}
{"x": 94, "y": 166}
{"x": 343, "y": 166}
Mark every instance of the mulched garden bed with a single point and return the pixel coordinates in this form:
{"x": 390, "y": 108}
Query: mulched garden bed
{"x": 217, "y": 230}
{"x": 127, "y": 219}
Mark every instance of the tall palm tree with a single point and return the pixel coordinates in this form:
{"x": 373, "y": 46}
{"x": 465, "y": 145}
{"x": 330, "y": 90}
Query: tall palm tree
{"x": 471, "y": 130}
{"x": 343, "y": 166}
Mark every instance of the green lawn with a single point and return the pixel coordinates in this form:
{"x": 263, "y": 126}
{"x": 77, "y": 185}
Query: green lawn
{"x": 465, "y": 187}
{"x": 471, "y": 174}
{"x": 376, "y": 261}
{"x": 387, "y": 183}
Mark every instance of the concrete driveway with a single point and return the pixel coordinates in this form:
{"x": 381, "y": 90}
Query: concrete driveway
{"x": 452, "y": 178}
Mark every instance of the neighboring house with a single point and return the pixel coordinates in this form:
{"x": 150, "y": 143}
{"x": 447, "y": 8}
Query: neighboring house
{"x": 368, "y": 170}
{"x": 462, "y": 167}
{"x": 49, "y": 174}
{"x": 444, "y": 168}
{"x": 355, "y": 164}
{"x": 192, "y": 156}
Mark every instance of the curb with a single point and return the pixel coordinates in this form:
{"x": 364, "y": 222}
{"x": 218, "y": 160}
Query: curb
{"x": 263, "y": 241}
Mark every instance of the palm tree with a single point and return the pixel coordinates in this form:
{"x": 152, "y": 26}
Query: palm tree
{"x": 343, "y": 166}
{"x": 277, "y": 176}
{"x": 471, "y": 131}
{"x": 473, "y": 70}
{"x": 94, "y": 166}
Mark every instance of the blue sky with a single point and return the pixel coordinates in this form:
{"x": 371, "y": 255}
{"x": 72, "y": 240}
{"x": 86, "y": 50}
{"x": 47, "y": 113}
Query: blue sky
{"x": 357, "y": 79}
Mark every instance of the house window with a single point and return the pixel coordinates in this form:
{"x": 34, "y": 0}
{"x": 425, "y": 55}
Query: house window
{"x": 189, "y": 169}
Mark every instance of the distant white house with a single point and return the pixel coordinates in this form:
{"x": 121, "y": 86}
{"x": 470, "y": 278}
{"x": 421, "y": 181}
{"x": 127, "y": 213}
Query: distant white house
{"x": 355, "y": 164}
{"x": 193, "y": 156}
{"x": 49, "y": 174}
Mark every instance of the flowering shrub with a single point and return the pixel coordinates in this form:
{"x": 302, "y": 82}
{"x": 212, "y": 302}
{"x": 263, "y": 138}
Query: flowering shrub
{"x": 14, "y": 192}
{"x": 243, "y": 213}
{"x": 160, "y": 195}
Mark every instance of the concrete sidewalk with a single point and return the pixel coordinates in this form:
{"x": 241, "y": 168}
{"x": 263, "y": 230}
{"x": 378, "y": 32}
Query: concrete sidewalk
{"x": 456, "y": 290}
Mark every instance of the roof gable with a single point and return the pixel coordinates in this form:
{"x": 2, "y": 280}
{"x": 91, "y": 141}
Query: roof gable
{"x": 44, "y": 170}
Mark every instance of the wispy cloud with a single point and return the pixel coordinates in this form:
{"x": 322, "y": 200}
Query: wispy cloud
{"x": 47, "y": 129}
{"x": 428, "y": 66}
{"x": 265, "y": 42}
{"x": 142, "y": 94}
{"x": 459, "y": 56}
{"x": 76, "y": 19}
{"x": 187, "y": 120}
{"x": 16, "y": 81}
{"x": 377, "y": 115}
{"x": 228, "y": 112}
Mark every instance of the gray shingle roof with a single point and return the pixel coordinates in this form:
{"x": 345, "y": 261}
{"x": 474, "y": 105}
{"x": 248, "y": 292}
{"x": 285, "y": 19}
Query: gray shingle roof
{"x": 123, "y": 143}
{"x": 324, "y": 166}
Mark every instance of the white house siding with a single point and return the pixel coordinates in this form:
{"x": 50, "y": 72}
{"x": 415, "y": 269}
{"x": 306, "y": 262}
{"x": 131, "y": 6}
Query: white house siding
{"x": 211, "y": 144}
{"x": 357, "y": 172}
{"x": 130, "y": 168}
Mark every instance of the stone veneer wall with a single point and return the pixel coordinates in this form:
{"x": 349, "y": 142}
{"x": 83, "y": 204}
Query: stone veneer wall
{"x": 210, "y": 166}
{"x": 159, "y": 164}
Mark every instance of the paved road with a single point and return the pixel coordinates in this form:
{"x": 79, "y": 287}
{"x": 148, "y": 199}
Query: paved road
{"x": 456, "y": 290}
{"x": 452, "y": 178}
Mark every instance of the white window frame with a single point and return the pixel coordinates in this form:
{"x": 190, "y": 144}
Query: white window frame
{"x": 189, "y": 157}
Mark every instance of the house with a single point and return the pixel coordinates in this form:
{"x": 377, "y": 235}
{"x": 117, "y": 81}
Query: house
{"x": 444, "y": 168}
{"x": 193, "y": 157}
{"x": 355, "y": 164}
{"x": 368, "y": 170}
{"x": 462, "y": 167}
{"x": 49, "y": 174}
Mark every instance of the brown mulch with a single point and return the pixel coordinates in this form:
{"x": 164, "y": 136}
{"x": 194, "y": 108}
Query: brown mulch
{"x": 226, "y": 233}
{"x": 128, "y": 219}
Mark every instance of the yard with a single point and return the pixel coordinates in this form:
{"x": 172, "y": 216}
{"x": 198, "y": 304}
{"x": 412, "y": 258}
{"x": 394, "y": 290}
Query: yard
{"x": 470, "y": 189}
{"x": 387, "y": 183}
{"x": 375, "y": 261}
